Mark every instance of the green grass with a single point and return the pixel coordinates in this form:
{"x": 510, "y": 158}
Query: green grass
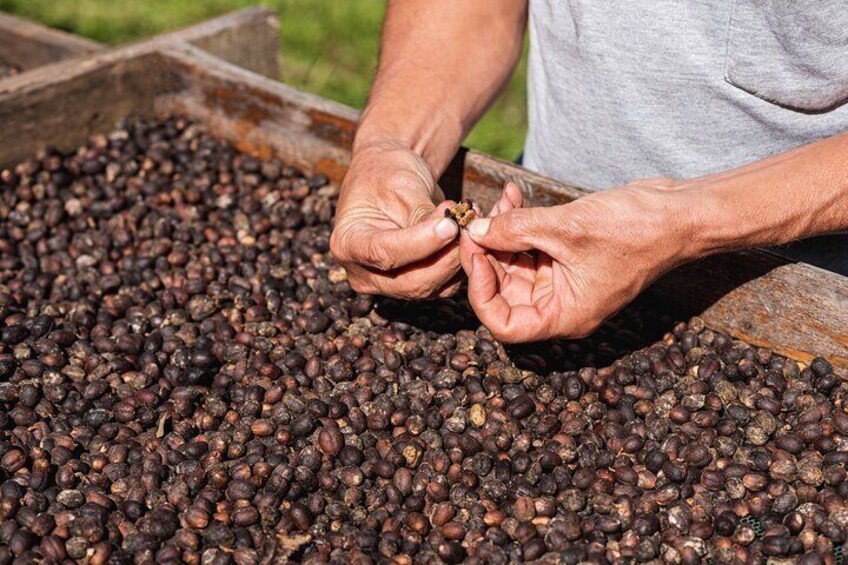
{"x": 328, "y": 47}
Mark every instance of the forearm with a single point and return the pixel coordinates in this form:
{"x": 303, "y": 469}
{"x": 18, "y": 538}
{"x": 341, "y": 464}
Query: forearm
{"x": 790, "y": 196}
{"x": 442, "y": 63}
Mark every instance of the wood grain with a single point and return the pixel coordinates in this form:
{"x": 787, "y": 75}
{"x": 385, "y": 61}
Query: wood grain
{"x": 795, "y": 309}
{"x": 62, "y": 105}
{"x": 248, "y": 38}
{"x": 25, "y": 45}
{"x": 67, "y": 101}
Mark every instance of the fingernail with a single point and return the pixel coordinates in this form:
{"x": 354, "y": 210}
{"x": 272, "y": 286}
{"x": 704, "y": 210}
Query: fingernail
{"x": 479, "y": 227}
{"x": 446, "y": 228}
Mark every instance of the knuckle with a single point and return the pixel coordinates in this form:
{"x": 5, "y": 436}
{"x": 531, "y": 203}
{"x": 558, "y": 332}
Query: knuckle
{"x": 424, "y": 289}
{"x": 404, "y": 293}
{"x": 416, "y": 290}
{"x": 351, "y": 247}
{"x": 518, "y": 222}
{"x": 426, "y": 284}
{"x": 403, "y": 179}
{"x": 413, "y": 294}
{"x": 574, "y": 227}
{"x": 450, "y": 290}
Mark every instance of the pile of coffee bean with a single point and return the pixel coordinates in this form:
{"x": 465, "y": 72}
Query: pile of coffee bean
{"x": 186, "y": 376}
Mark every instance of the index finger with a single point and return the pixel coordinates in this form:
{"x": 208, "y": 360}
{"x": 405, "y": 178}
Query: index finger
{"x": 508, "y": 323}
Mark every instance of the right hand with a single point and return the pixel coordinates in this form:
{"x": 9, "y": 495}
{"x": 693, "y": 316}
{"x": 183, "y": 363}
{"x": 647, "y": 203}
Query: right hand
{"x": 391, "y": 234}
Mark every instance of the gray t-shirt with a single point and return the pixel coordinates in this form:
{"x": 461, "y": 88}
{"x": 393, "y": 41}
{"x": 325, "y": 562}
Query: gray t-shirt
{"x": 624, "y": 89}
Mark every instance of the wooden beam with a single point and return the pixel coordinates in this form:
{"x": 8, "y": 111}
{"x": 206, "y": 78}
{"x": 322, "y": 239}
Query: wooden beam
{"x": 794, "y": 309}
{"x": 61, "y": 105}
{"x": 248, "y": 38}
{"x": 25, "y": 45}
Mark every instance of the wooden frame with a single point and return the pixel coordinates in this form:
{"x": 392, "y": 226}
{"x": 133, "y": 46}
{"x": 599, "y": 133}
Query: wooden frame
{"x": 26, "y": 45}
{"x": 795, "y": 309}
{"x": 248, "y": 38}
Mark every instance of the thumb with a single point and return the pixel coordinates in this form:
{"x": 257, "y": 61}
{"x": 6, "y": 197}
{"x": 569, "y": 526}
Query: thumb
{"x": 390, "y": 249}
{"x": 512, "y": 230}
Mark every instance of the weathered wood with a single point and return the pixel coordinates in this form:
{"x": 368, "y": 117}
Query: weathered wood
{"x": 248, "y": 38}
{"x": 104, "y": 87}
{"x": 795, "y": 309}
{"x": 25, "y": 45}
{"x": 61, "y": 105}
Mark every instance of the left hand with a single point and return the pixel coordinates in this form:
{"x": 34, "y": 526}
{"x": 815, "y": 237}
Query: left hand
{"x": 539, "y": 273}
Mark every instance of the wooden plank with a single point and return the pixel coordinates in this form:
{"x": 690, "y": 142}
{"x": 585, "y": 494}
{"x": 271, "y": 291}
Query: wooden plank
{"x": 248, "y": 38}
{"x": 25, "y": 45}
{"x": 61, "y": 105}
{"x": 795, "y": 309}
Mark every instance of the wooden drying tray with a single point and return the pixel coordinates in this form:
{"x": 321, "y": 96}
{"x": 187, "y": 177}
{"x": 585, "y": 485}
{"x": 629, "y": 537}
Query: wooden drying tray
{"x": 248, "y": 38}
{"x": 795, "y": 309}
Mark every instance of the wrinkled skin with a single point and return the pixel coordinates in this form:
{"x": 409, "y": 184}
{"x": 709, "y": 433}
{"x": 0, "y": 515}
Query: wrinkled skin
{"x": 391, "y": 234}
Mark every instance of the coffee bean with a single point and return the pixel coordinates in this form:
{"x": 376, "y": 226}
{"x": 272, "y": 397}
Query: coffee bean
{"x": 331, "y": 440}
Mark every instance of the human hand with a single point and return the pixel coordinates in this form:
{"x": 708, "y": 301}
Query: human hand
{"x": 391, "y": 234}
{"x": 539, "y": 273}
